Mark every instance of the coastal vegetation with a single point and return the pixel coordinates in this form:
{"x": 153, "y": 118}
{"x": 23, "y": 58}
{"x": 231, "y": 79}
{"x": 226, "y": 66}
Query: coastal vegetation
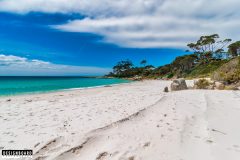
{"x": 202, "y": 84}
{"x": 210, "y": 56}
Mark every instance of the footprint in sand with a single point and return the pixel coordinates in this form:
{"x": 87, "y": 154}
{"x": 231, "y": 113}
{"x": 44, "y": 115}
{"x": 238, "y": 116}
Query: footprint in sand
{"x": 209, "y": 141}
{"x": 131, "y": 158}
{"x": 236, "y": 146}
{"x": 11, "y": 142}
{"x": 147, "y": 144}
{"x": 36, "y": 145}
{"x": 102, "y": 156}
{"x": 51, "y": 146}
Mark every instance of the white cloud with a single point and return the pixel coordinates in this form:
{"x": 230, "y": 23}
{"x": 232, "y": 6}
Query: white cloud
{"x": 142, "y": 23}
{"x": 14, "y": 65}
{"x": 86, "y": 7}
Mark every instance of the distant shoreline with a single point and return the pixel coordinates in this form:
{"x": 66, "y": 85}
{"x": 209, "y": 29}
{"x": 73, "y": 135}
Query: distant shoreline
{"x": 64, "y": 90}
{"x": 36, "y": 85}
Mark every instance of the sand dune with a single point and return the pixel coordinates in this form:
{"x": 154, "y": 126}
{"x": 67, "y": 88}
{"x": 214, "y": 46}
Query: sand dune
{"x": 136, "y": 121}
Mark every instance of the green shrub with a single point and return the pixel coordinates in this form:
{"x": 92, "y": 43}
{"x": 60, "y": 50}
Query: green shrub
{"x": 170, "y": 75}
{"x": 202, "y": 71}
{"x": 231, "y": 88}
{"x": 202, "y": 84}
{"x": 229, "y": 72}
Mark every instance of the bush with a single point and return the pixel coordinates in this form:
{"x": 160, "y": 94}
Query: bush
{"x": 205, "y": 70}
{"x": 170, "y": 75}
{"x": 202, "y": 84}
{"x": 231, "y": 88}
{"x": 229, "y": 72}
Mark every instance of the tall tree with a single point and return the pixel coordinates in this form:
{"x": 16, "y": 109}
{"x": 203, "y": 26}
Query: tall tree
{"x": 123, "y": 68}
{"x": 234, "y": 49}
{"x": 183, "y": 63}
{"x": 208, "y": 47}
{"x": 143, "y": 62}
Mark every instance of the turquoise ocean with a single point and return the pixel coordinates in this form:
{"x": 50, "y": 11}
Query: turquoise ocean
{"x": 26, "y": 85}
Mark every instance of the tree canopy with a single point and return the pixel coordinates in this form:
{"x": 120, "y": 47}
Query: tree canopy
{"x": 209, "y": 47}
{"x": 123, "y": 68}
{"x": 234, "y": 49}
{"x": 143, "y": 62}
{"x": 208, "y": 54}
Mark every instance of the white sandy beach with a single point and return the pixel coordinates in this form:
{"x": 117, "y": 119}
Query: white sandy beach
{"x": 135, "y": 121}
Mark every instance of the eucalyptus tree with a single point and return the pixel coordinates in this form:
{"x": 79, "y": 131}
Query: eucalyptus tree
{"x": 123, "y": 68}
{"x": 143, "y": 62}
{"x": 184, "y": 63}
{"x": 209, "y": 47}
{"x": 234, "y": 49}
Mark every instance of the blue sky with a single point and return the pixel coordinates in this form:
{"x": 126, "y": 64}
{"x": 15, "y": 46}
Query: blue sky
{"x": 39, "y": 37}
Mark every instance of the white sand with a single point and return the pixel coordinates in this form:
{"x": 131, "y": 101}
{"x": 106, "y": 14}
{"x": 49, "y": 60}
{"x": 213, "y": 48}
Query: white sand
{"x": 136, "y": 121}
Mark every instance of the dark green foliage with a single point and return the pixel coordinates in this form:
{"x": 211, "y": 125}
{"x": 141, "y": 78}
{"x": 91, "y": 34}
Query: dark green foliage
{"x": 178, "y": 67}
{"x": 143, "y": 62}
{"x": 183, "y": 64}
{"x": 206, "y": 70}
{"x": 229, "y": 72}
{"x": 202, "y": 84}
{"x": 126, "y": 69}
{"x": 208, "y": 48}
{"x": 170, "y": 75}
{"x": 207, "y": 57}
{"x": 162, "y": 71}
{"x": 234, "y": 49}
{"x": 123, "y": 69}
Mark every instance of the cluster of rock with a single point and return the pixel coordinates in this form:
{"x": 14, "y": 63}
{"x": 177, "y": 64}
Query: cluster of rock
{"x": 208, "y": 84}
{"x": 180, "y": 84}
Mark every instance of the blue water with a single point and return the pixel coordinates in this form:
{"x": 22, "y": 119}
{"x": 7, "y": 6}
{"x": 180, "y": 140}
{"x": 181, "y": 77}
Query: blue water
{"x": 25, "y": 85}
